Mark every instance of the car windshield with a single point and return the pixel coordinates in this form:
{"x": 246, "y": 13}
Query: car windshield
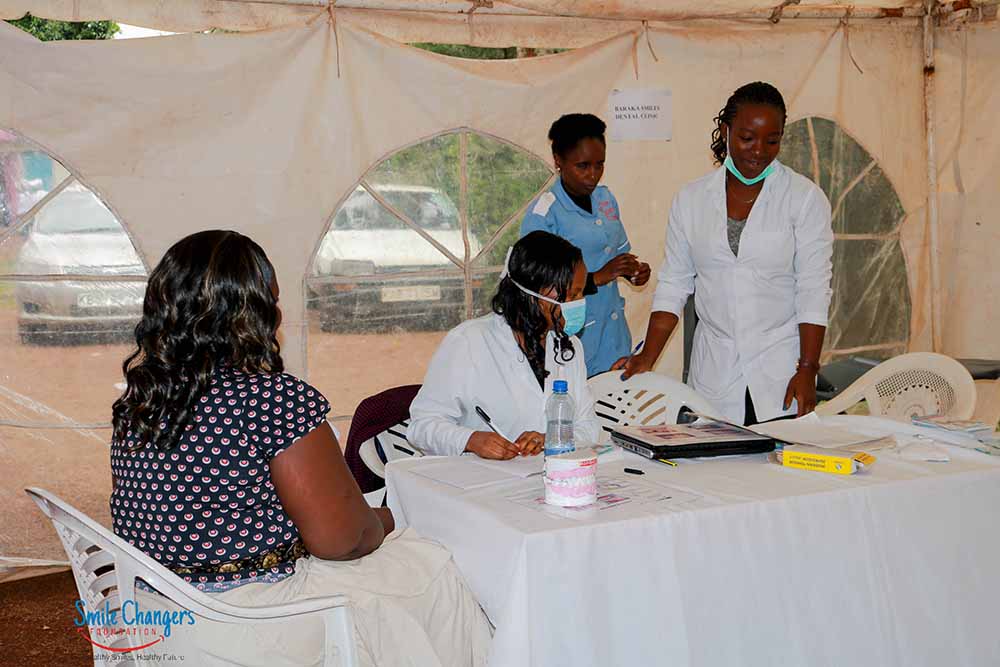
{"x": 429, "y": 208}
{"x": 76, "y": 213}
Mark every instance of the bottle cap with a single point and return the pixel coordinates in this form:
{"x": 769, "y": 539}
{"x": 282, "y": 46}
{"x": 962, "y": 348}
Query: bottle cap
{"x": 560, "y": 386}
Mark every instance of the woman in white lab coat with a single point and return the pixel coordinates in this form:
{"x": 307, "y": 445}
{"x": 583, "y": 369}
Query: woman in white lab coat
{"x": 753, "y": 241}
{"x": 505, "y": 362}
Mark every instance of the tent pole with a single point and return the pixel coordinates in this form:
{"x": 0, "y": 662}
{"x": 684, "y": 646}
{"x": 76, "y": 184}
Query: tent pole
{"x": 930, "y": 11}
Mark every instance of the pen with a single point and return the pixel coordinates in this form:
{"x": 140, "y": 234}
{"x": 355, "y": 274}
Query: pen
{"x": 486, "y": 418}
{"x": 668, "y": 462}
{"x": 634, "y": 471}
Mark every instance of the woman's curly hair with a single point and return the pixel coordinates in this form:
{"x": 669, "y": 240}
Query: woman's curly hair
{"x": 211, "y": 302}
{"x": 757, "y": 92}
{"x": 539, "y": 261}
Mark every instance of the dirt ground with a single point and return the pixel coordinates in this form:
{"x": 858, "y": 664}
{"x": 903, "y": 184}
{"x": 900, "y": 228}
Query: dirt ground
{"x": 36, "y": 623}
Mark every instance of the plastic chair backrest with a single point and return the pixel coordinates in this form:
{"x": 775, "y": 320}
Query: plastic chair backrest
{"x": 104, "y": 565}
{"x": 378, "y": 435}
{"x": 646, "y": 399}
{"x": 916, "y": 384}
{"x": 389, "y": 445}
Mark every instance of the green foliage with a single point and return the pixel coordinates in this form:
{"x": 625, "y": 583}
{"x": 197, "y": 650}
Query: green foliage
{"x": 471, "y": 52}
{"x": 48, "y": 31}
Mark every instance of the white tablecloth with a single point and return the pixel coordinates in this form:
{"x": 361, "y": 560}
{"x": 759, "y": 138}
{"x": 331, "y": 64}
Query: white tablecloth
{"x": 899, "y": 565}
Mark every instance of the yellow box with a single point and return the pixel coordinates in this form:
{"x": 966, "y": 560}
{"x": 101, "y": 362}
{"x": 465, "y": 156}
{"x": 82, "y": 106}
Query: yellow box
{"x": 832, "y": 461}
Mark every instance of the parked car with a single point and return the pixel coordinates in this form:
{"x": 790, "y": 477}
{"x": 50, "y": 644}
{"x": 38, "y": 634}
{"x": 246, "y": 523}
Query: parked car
{"x": 75, "y": 235}
{"x": 370, "y": 252}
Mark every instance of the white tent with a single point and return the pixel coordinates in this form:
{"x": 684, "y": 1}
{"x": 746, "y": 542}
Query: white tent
{"x": 320, "y": 112}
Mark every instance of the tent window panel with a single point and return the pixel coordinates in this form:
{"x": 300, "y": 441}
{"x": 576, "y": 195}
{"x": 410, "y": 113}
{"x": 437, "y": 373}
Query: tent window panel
{"x": 870, "y": 207}
{"x": 71, "y": 293}
{"x": 422, "y": 183}
{"x": 796, "y": 149}
{"x": 26, "y": 176}
{"x": 393, "y": 275}
{"x": 73, "y": 233}
{"x": 871, "y": 303}
{"x": 502, "y": 180}
{"x": 484, "y": 287}
{"x": 351, "y": 364}
{"x": 870, "y": 309}
{"x": 62, "y": 343}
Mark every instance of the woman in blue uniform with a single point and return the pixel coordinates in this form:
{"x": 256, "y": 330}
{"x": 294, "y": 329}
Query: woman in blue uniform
{"x": 586, "y": 214}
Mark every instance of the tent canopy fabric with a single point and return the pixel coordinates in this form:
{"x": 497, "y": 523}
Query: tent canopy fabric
{"x": 529, "y": 23}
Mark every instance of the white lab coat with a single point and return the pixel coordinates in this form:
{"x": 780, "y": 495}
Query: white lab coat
{"x": 749, "y": 307}
{"x": 480, "y": 363}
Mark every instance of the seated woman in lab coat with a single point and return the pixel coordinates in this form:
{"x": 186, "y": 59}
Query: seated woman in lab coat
{"x": 505, "y": 362}
{"x": 753, "y": 241}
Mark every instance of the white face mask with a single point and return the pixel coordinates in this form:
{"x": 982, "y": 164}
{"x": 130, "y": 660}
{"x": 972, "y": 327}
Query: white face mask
{"x": 574, "y": 312}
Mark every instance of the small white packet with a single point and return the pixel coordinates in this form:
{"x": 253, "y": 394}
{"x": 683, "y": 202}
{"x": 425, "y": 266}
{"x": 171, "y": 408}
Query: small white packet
{"x": 920, "y": 449}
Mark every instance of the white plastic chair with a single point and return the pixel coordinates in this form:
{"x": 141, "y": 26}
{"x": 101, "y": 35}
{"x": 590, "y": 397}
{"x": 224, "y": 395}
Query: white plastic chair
{"x": 393, "y": 444}
{"x": 916, "y": 384}
{"x": 104, "y": 565}
{"x": 646, "y": 399}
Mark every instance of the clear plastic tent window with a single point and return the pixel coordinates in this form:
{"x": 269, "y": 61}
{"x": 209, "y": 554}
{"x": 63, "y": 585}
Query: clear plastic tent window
{"x": 416, "y": 246}
{"x": 870, "y": 312}
{"x": 71, "y": 291}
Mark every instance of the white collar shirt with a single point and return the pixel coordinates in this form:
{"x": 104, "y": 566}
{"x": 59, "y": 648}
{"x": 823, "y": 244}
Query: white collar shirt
{"x": 749, "y": 306}
{"x": 480, "y": 363}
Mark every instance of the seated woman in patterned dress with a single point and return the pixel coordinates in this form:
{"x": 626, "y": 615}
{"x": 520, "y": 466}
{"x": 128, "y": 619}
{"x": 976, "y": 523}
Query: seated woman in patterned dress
{"x": 226, "y": 471}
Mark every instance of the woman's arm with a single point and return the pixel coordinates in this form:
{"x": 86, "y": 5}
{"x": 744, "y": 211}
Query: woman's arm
{"x": 802, "y": 386}
{"x": 813, "y": 267}
{"x": 324, "y": 502}
{"x": 436, "y": 411}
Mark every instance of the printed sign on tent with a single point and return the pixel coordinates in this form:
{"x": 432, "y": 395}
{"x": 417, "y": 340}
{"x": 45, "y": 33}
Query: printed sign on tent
{"x": 640, "y": 115}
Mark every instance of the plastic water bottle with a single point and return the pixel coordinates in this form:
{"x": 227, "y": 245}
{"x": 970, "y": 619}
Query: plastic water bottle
{"x": 559, "y": 412}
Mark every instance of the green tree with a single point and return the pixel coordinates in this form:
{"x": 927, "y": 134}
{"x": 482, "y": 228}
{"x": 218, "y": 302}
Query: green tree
{"x": 48, "y": 31}
{"x": 471, "y": 52}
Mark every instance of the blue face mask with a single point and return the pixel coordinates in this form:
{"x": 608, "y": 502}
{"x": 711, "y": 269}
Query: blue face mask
{"x": 574, "y": 312}
{"x": 731, "y": 168}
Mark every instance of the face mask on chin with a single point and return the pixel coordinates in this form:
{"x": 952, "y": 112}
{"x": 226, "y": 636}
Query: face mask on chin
{"x": 731, "y": 167}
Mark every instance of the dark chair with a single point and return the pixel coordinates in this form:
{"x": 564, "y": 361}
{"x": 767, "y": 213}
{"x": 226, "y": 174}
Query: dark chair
{"x": 377, "y": 436}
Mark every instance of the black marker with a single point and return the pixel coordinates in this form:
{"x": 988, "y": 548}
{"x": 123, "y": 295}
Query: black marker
{"x": 634, "y": 471}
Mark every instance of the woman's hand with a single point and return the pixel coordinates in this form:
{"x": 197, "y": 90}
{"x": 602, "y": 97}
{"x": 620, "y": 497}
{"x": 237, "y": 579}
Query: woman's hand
{"x": 531, "y": 443}
{"x": 489, "y": 445}
{"x": 802, "y": 388}
{"x": 633, "y": 365}
{"x": 641, "y": 276}
{"x": 623, "y": 266}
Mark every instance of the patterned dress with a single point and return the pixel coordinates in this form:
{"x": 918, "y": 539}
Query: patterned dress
{"x": 206, "y": 508}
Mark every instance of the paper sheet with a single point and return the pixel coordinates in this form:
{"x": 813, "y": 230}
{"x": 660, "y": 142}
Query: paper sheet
{"x": 810, "y": 430}
{"x": 461, "y": 473}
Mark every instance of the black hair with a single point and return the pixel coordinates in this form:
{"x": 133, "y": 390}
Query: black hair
{"x": 573, "y": 128}
{"x": 539, "y": 261}
{"x": 757, "y": 92}
{"x": 209, "y": 303}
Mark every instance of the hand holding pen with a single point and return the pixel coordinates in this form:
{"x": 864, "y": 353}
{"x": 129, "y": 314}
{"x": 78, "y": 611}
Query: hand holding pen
{"x": 496, "y": 445}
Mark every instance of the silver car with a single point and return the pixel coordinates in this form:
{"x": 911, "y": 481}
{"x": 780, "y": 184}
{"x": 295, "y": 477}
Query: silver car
{"x": 75, "y": 235}
{"x": 384, "y": 271}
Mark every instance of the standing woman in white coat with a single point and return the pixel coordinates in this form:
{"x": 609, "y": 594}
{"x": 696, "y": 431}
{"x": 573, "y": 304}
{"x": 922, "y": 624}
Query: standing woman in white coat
{"x": 753, "y": 241}
{"x": 505, "y": 362}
